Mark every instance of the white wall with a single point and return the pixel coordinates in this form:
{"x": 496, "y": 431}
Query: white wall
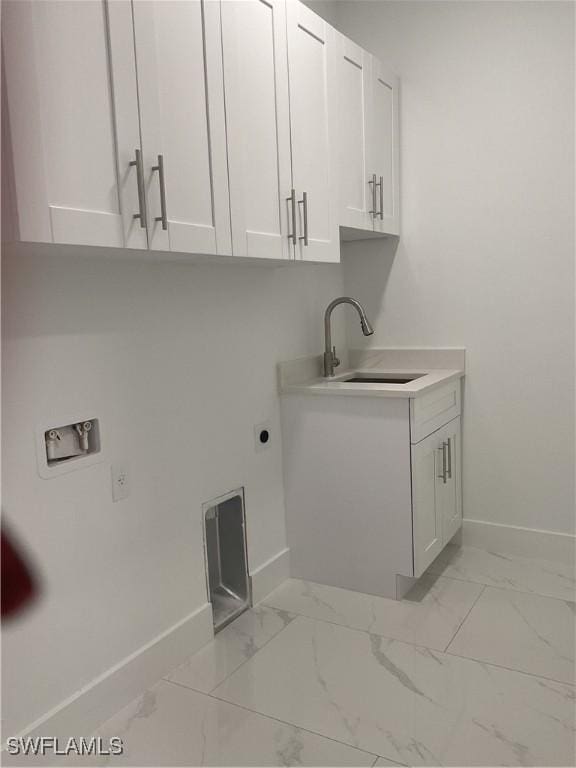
{"x": 178, "y": 360}
{"x": 179, "y": 363}
{"x": 486, "y": 257}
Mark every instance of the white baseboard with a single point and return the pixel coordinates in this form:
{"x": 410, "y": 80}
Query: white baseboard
{"x": 515, "y": 540}
{"x": 84, "y": 711}
{"x": 270, "y": 575}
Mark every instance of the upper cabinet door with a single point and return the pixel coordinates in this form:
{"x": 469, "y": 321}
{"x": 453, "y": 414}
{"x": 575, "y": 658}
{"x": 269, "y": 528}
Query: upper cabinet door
{"x": 384, "y": 148}
{"x": 73, "y": 121}
{"x": 258, "y": 127}
{"x": 179, "y": 63}
{"x": 311, "y": 65}
{"x": 354, "y": 178}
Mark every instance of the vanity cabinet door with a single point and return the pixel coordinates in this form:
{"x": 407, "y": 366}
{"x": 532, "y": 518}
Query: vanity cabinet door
{"x": 258, "y": 127}
{"x": 449, "y": 492}
{"x": 179, "y": 62}
{"x": 384, "y": 148}
{"x": 311, "y": 60}
{"x": 436, "y": 493}
{"x": 73, "y": 121}
{"x": 427, "y": 464}
{"x": 353, "y": 65}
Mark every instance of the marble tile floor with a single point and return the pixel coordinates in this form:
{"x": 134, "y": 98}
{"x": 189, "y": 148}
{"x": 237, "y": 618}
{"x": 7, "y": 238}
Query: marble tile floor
{"x": 474, "y": 667}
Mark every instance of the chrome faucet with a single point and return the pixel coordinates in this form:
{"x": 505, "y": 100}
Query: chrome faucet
{"x": 330, "y": 359}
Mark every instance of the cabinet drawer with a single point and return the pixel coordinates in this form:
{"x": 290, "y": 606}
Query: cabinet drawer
{"x": 434, "y": 409}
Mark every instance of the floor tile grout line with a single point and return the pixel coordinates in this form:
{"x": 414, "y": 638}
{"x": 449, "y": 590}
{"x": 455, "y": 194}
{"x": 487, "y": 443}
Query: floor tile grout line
{"x": 436, "y": 575}
{"x": 417, "y": 645}
{"x": 299, "y": 727}
{"x": 185, "y": 685}
{"x": 270, "y": 717}
{"x": 509, "y": 669}
{"x": 383, "y": 757}
{"x": 378, "y": 634}
{"x": 295, "y": 615}
{"x": 277, "y": 634}
{"x": 494, "y": 586}
{"x": 386, "y": 637}
{"x": 532, "y": 594}
{"x": 465, "y": 617}
{"x": 278, "y": 720}
{"x": 364, "y": 631}
{"x": 207, "y": 693}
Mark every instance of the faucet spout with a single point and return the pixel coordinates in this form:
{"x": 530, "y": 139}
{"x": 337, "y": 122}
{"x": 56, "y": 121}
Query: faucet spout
{"x": 330, "y": 359}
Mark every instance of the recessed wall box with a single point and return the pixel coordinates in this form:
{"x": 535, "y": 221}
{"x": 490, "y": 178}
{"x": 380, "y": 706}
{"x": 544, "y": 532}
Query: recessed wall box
{"x": 72, "y": 445}
{"x": 226, "y": 559}
{"x": 71, "y": 441}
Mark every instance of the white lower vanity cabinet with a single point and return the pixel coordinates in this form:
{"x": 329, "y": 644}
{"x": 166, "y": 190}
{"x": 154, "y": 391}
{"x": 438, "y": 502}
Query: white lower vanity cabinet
{"x": 373, "y": 485}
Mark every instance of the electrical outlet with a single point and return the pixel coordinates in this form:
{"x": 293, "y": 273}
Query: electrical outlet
{"x": 120, "y": 482}
{"x": 262, "y": 436}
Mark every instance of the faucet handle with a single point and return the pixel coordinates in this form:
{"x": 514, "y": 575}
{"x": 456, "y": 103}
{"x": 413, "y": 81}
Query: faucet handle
{"x": 335, "y": 361}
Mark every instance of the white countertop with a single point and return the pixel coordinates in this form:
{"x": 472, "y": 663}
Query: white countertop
{"x": 302, "y": 376}
{"x": 337, "y": 386}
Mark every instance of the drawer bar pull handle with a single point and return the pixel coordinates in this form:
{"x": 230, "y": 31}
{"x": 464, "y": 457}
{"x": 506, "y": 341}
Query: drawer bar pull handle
{"x": 442, "y": 474}
{"x": 292, "y": 201}
{"x": 372, "y": 181}
{"x": 160, "y": 168}
{"x": 304, "y": 202}
{"x": 141, "y": 194}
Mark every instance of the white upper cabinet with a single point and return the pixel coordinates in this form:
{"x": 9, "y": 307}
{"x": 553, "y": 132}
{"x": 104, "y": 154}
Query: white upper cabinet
{"x": 117, "y": 123}
{"x": 229, "y": 127}
{"x": 354, "y": 177}
{"x": 258, "y": 127}
{"x": 367, "y": 155}
{"x": 73, "y": 121}
{"x": 179, "y": 64}
{"x": 383, "y": 148}
{"x": 312, "y": 77}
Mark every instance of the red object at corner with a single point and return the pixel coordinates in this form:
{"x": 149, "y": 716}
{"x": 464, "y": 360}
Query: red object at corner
{"x": 18, "y": 583}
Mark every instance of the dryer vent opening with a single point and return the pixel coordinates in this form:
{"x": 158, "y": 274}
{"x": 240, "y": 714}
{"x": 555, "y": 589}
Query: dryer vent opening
{"x": 226, "y": 561}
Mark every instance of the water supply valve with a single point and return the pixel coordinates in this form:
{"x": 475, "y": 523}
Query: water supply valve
{"x": 71, "y": 441}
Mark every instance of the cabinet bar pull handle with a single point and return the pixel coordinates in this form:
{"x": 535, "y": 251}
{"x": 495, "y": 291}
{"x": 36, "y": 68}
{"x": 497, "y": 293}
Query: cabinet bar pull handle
{"x": 449, "y": 470}
{"x": 292, "y": 201}
{"x": 442, "y": 474}
{"x": 304, "y": 202}
{"x": 372, "y": 181}
{"x": 381, "y": 185}
{"x": 141, "y": 194}
{"x": 164, "y": 216}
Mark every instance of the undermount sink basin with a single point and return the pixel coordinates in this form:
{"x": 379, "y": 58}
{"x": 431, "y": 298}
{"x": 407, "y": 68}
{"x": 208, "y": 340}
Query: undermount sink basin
{"x": 367, "y": 378}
